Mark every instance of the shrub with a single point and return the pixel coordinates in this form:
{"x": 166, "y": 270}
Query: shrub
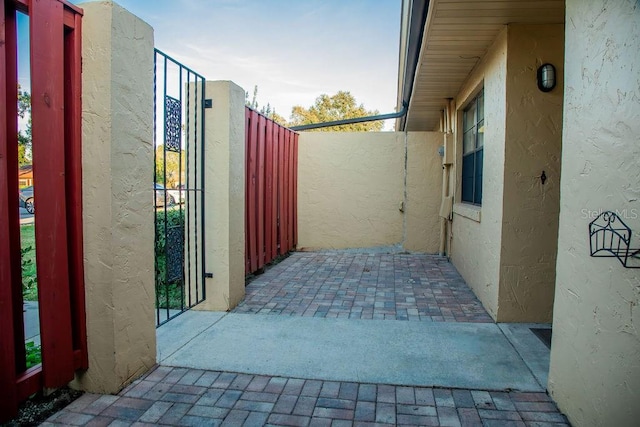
{"x": 34, "y": 354}
{"x": 173, "y": 291}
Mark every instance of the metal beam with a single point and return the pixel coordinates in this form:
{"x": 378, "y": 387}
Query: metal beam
{"x": 400, "y": 113}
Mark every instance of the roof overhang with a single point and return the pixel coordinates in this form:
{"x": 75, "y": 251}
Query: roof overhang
{"x": 455, "y": 36}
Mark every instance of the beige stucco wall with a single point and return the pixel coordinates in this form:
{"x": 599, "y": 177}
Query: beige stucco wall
{"x": 476, "y": 245}
{"x": 117, "y": 162}
{"x": 225, "y": 192}
{"x": 533, "y": 144}
{"x": 595, "y": 354}
{"x": 352, "y": 192}
{"x": 506, "y": 249}
{"x": 423, "y": 192}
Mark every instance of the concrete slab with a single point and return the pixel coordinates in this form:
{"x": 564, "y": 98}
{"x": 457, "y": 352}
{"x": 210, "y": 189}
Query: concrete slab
{"x": 31, "y": 322}
{"x": 166, "y": 314}
{"x": 178, "y": 332}
{"x": 535, "y": 354}
{"x": 456, "y": 355}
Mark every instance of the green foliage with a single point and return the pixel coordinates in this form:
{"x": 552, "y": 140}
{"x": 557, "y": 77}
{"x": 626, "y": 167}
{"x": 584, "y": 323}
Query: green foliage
{"x": 174, "y": 217}
{"x": 266, "y": 110}
{"x": 172, "y": 178}
{"x": 28, "y": 262}
{"x": 254, "y": 101}
{"x": 29, "y": 278}
{"x": 24, "y": 138}
{"x": 34, "y": 354}
{"x": 275, "y": 116}
{"x": 340, "y": 106}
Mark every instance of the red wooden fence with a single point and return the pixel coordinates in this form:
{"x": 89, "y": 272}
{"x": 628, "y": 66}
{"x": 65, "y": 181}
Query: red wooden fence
{"x": 271, "y": 191}
{"x": 55, "y": 37}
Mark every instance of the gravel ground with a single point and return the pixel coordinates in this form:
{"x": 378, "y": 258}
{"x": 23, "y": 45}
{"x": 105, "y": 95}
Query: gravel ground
{"x": 37, "y": 409}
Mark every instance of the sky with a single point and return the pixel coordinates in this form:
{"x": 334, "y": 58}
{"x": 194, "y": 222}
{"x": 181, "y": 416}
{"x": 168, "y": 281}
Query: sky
{"x": 293, "y": 50}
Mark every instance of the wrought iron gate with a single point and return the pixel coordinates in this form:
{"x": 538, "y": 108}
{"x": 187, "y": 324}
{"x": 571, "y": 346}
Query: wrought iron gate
{"x": 179, "y": 102}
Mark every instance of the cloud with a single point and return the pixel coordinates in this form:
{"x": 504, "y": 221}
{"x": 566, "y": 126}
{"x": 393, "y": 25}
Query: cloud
{"x": 294, "y": 51}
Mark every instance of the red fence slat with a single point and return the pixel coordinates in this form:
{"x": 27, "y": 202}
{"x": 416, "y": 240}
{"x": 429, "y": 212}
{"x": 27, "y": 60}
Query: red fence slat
{"x": 252, "y": 182}
{"x": 261, "y": 149}
{"x": 73, "y": 155}
{"x": 9, "y": 275}
{"x": 47, "y": 106}
{"x": 295, "y": 190}
{"x": 247, "y": 125}
{"x": 268, "y": 199}
{"x": 55, "y": 49}
{"x": 274, "y": 192}
{"x": 285, "y": 194}
{"x": 271, "y": 171}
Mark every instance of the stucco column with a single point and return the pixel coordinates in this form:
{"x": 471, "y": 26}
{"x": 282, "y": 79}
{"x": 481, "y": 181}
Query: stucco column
{"x": 117, "y": 161}
{"x": 224, "y": 196}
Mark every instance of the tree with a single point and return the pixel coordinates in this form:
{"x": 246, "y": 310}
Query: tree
{"x": 266, "y": 111}
{"x": 340, "y": 106}
{"x": 172, "y": 178}
{"x": 24, "y": 138}
{"x": 254, "y": 101}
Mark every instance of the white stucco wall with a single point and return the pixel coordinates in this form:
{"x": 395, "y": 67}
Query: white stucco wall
{"x": 595, "y": 355}
{"x": 354, "y": 190}
{"x": 476, "y": 246}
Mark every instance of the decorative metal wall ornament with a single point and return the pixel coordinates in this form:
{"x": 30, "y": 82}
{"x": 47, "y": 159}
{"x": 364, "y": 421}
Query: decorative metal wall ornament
{"x": 610, "y": 237}
{"x": 173, "y": 124}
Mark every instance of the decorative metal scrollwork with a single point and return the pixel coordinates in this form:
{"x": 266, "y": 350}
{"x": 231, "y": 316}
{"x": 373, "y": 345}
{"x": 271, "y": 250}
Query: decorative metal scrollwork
{"x": 173, "y": 124}
{"x": 610, "y": 237}
{"x": 174, "y": 253}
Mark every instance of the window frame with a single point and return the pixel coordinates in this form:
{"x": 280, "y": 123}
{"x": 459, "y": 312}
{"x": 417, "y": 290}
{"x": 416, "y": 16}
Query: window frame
{"x": 476, "y": 154}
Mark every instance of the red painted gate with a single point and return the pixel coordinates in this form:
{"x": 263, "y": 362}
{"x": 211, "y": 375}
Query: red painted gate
{"x": 271, "y": 227}
{"x": 55, "y": 73}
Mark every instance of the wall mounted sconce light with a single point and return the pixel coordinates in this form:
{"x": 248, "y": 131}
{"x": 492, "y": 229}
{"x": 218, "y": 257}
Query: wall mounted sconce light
{"x": 546, "y": 77}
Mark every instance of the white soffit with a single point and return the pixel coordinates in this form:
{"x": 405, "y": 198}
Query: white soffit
{"x": 457, "y": 35}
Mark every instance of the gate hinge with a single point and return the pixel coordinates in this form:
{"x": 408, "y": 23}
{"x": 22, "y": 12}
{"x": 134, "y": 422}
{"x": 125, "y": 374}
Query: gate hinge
{"x": 208, "y": 275}
{"x": 208, "y": 103}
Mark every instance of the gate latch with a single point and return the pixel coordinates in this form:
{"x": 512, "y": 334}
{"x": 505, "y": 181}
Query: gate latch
{"x": 208, "y": 103}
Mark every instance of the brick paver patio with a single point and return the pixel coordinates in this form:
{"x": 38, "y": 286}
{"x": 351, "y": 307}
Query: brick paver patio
{"x": 414, "y": 287}
{"x": 184, "y": 397}
{"x": 410, "y": 287}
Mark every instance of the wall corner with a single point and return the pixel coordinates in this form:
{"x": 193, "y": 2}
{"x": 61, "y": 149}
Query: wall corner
{"x": 224, "y": 196}
{"x": 117, "y": 161}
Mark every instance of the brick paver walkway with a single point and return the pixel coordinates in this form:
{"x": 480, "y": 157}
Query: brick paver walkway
{"x": 364, "y": 286}
{"x": 184, "y": 397}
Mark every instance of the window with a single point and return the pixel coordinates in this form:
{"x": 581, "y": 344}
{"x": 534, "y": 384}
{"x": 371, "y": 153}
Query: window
{"x": 472, "y": 148}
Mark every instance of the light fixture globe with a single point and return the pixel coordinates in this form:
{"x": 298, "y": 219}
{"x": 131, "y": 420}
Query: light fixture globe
{"x": 546, "y": 77}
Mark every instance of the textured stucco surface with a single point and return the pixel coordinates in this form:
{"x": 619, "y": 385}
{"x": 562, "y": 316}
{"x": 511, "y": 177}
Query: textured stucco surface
{"x": 533, "y": 144}
{"x": 424, "y": 192}
{"x": 350, "y": 186}
{"x": 475, "y": 247}
{"x": 352, "y": 191}
{"x": 506, "y": 249}
{"x": 225, "y": 192}
{"x": 595, "y": 355}
{"x": 117, "y": 161}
